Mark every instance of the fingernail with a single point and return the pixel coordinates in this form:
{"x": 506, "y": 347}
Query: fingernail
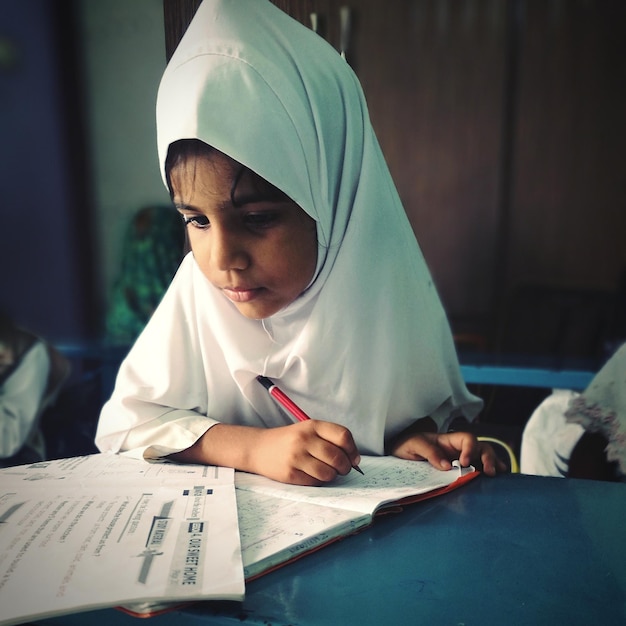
{"x": 445, "y": 464}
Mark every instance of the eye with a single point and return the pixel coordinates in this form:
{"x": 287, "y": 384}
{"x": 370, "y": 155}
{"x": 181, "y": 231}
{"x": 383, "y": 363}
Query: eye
{"x": 262, "y": 220}
{"x": 197, "y": 221}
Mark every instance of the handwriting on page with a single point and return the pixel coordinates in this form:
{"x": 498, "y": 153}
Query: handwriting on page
{"x": 268, "y": 526}
{"x": 386, "y": 479}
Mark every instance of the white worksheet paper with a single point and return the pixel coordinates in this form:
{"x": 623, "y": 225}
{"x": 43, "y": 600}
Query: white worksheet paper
{"x": 104, "y": 530}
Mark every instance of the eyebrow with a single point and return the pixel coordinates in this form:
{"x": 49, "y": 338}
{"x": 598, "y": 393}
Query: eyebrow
{"x": 237, "y": 203}
{"x": 263, "y": 190}
{"x": 181, "y": 206}
{"x": 270, "y": 195}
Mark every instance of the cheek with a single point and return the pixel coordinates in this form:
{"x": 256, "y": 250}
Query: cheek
{"x": 201, "y": 252}
{"x": 311, "y": 259}
{"x": 302, "y": 260}
{"x": 312, "y": 247}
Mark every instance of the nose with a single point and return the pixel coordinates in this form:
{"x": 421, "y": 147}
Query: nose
{"x": 228, "y": 250}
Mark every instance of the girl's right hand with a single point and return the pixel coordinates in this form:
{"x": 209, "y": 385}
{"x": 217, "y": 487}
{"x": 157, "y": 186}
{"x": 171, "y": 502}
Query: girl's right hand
{"x": 307, "y": 453}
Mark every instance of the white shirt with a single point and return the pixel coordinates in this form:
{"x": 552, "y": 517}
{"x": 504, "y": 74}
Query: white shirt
{"x": 548, "y": 440}
{"x": 20, "y": 402}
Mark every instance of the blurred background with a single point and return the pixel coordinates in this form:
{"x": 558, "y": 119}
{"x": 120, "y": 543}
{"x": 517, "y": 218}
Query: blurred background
{"x": 78, "y": 82}
{"x": 502, "y": 122}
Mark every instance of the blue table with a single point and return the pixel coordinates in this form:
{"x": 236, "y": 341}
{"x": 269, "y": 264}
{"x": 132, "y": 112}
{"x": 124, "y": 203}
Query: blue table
{"x": 513, "y": 370}
{"x": 511, "y": 550}
{"x": 524, "y": 376}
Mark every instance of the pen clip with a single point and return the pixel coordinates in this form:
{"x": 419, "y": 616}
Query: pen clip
{"x": 463, "y": 470}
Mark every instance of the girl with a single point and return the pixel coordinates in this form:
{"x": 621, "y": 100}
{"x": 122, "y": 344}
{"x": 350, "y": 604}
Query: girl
{"x": 303, "y": 269}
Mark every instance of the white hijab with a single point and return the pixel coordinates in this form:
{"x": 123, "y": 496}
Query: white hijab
{"x": 368, "y": 344}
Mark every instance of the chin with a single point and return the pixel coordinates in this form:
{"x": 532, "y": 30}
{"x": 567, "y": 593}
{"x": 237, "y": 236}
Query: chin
{"x": 256, "y": 313}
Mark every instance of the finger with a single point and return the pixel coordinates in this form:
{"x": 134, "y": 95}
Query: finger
{"x": 340, "y": 438}
{"x": 424, "y": 448}
{"x": 302, "y": 467}
{"x": 490, "y": 461}
{"x": 300, "y": 477}
{"x": 311, "y": 453}
{"x": 326, "y": 457}
{"x": 469, "y": 450}
{"x": 461, "y": 445}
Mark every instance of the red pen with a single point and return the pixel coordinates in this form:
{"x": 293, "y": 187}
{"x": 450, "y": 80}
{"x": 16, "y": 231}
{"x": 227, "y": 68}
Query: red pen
{"x": 282, "y": 398}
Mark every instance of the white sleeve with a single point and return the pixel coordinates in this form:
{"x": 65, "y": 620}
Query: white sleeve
{"x": 159, "y": 431}
{"x": 20, "y": 399}
{"x": 548, "y": 440}
{"x": 159, "y": 404}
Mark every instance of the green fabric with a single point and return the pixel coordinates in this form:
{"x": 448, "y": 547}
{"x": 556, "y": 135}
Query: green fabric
{"x": 152, "y": 250}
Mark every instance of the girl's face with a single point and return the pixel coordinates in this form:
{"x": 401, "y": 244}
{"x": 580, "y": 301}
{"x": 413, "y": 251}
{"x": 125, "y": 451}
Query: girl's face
{"x": 260, "y": 251}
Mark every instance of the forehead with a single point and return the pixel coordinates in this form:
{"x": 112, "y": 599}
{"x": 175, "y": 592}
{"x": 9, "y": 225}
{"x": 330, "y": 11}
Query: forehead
{"x": 203, "y": 173}
{"x": 218, "y": 176}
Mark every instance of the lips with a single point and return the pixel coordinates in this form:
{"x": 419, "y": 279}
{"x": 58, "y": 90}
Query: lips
{"x": 242, "y": 294}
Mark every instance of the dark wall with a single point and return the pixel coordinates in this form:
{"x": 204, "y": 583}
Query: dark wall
{"x": 45, "y": 217}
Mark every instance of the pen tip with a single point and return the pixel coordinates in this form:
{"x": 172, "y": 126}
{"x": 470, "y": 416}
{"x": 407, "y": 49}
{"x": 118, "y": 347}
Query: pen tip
{"x": 358, "y": 469}
{"x": 266, "y": 382}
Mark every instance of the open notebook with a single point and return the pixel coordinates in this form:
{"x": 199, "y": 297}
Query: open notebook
{"x": 278, "y": 522}
{"x": 114, "y": 531}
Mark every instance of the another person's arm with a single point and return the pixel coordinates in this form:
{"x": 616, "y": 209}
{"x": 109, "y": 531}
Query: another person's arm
{"x": 20, "y": 400}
